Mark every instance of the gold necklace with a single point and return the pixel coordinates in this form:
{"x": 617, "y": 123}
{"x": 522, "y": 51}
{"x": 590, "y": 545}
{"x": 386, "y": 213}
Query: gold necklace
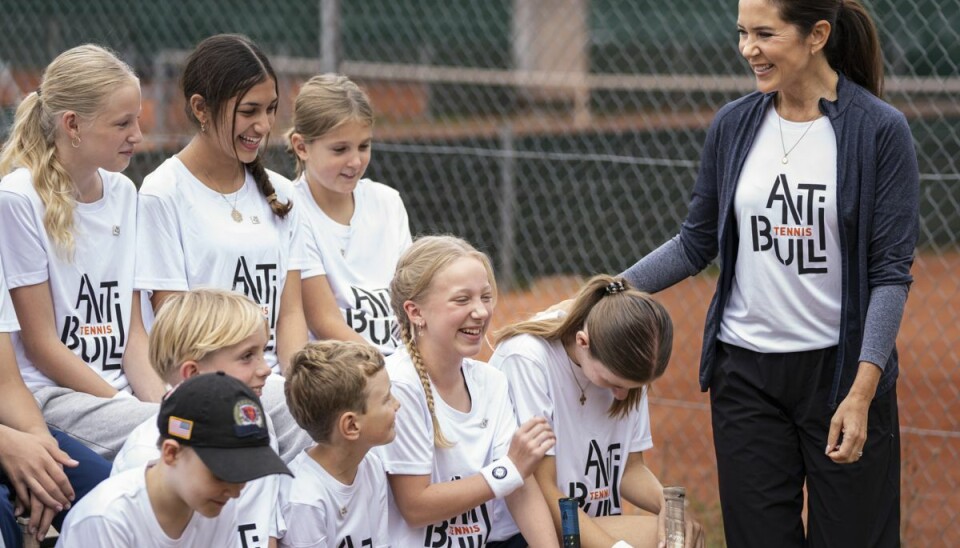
{"x": 583, "y": 396}
{"x": 236, "y": 215}
{"x": 783, "y": 145}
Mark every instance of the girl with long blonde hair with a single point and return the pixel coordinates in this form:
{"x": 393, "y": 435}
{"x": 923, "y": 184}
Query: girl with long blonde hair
{"x": 69, "y": 235}
{"x": 457, "y": 445}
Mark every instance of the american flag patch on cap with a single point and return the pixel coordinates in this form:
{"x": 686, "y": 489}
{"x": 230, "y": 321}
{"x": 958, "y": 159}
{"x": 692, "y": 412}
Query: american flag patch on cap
{"x": 181, "y": 428}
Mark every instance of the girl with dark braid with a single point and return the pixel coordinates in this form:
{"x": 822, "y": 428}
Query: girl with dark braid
{"x": 213, "y": 216}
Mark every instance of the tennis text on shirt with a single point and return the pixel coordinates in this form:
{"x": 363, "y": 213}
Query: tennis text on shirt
{"x": 372, "y": 317}
{"x": 98, "y": 331}
{"x": 795, "y": 228}
{"x": 606, "y": 470}
{"x": 260, "y": 284}
{"x": 470, "y": 528}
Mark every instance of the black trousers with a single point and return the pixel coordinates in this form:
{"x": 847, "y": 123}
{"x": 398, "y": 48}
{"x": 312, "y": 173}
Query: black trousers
{"x": 770, "y": 423}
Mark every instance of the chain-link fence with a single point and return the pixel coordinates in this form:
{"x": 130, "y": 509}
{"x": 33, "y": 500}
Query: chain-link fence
{"x": 562, "y": 136}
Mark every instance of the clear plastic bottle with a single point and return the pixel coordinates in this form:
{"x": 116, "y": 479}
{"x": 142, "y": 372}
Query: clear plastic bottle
{"x": 675, "y": 497}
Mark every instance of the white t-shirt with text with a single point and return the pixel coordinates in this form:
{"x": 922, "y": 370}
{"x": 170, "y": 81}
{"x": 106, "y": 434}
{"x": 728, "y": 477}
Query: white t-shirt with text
{"x": 479, "y": 436}
{"x": 188, "y": 239}
{"x": 92, "y": 291}
{"x": 592, "y": 448}
{"x": 359, "y": 259}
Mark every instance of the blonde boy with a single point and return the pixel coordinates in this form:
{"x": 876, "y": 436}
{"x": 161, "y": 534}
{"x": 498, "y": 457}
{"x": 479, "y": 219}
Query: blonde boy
{"x": 213, "y": 439}
{"x": 204, "y": 331}
{"x": 339, "y": 393}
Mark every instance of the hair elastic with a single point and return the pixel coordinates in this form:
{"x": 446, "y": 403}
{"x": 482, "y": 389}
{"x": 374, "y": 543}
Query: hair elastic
{"x": 615, "y": 287}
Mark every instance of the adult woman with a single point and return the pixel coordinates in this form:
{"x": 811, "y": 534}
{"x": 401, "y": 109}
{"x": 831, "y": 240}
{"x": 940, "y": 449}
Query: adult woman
{"x": 808, "y": 190}
{"x": 68, "y": 240}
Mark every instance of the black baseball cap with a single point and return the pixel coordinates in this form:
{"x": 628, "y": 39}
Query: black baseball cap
{"x": 223, "y": 421}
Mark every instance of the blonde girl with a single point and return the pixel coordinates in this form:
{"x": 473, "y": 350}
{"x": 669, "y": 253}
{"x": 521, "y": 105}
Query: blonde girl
{"x": 69, "y": 235}
{"x": 586, "y": 371}
{"x": 360, "y": 226}
{"x": 457, "y": 445}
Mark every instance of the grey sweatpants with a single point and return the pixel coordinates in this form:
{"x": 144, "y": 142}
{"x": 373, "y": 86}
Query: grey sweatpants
{"x": 102, "y": 424}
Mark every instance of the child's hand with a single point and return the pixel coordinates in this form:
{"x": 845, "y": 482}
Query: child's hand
{"x": 530, "y": 443}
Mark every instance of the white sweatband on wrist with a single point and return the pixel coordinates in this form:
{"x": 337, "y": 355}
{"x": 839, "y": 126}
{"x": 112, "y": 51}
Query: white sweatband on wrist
{"x": 621, "y": 544}
{"x": 502, "y": 476}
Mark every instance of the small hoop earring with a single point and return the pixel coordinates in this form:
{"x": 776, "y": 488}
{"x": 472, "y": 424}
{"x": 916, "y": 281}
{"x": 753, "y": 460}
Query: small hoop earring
{"x": 418, "y": 331}
{"x": 75, "y": 142}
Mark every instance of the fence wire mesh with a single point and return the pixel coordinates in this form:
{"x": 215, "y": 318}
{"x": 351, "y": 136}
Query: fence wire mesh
{"x": 562, "y": 136}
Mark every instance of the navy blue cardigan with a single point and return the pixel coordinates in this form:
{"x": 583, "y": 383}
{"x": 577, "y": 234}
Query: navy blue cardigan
{"x": 877, "y": 198}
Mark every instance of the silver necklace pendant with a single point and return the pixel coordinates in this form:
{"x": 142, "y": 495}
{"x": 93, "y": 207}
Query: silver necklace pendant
{"x": 237, "y": 216}
{"x": 784, "y": 160}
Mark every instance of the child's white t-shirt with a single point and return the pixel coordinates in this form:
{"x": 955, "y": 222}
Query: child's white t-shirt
{"x": 92, "y": 292}
{"x": 317, "y": 511}
{"x": 8, "y": 318}
{"x": 592, "y": 448}
{"x": 256, "y": 506}
{"x": 188, "y": 239}
{"x": 479, "y": 437}
{"x": 118, "y": 513}
{"x": 359, "y": 260}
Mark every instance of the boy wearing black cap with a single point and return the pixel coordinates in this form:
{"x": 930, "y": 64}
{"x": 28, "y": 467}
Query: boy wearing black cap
{"x": 213, "y": 439}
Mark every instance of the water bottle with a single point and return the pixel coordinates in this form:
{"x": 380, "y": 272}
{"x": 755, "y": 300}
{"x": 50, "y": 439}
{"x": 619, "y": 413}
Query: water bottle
{"x": 674, "y": 497}
{"x": 570, "y": 523}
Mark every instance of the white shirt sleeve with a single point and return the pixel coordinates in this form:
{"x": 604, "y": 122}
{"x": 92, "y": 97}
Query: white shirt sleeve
{"x": 308, "y": 526}
{"x": 404, "y": 227}
{"x": 529, "y": 387}
{"x": 299, "y": 259}
{"x": 313, "y": 257}
{"x": 506, "y": 420}
{"x": 8, "y": 318}
{"x": 22, "y": 244}
{"x": 411, "y": 452}
{"x": 641, "y": 439}
{"x": 161, "y": 264}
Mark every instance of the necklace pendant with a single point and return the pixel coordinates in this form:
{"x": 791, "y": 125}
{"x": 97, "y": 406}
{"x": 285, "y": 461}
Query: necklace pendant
{"x": 237, "y": 216}
{"x": 784, "y": 160}
{"x": 583, "y": 398}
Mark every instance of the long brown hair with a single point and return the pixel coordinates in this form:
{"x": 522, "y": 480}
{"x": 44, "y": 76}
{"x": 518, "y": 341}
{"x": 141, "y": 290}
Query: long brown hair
{"x": 221, "y": 68}
{"x": 630, "y": 332}
{"x": 853, "y": 47}
{"x": 416, "y": 269}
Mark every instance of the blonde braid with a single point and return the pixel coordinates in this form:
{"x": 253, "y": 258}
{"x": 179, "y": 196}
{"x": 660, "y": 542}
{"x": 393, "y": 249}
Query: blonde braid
{"x": 56, "y": 191}
{"x": 439, "y": 440}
